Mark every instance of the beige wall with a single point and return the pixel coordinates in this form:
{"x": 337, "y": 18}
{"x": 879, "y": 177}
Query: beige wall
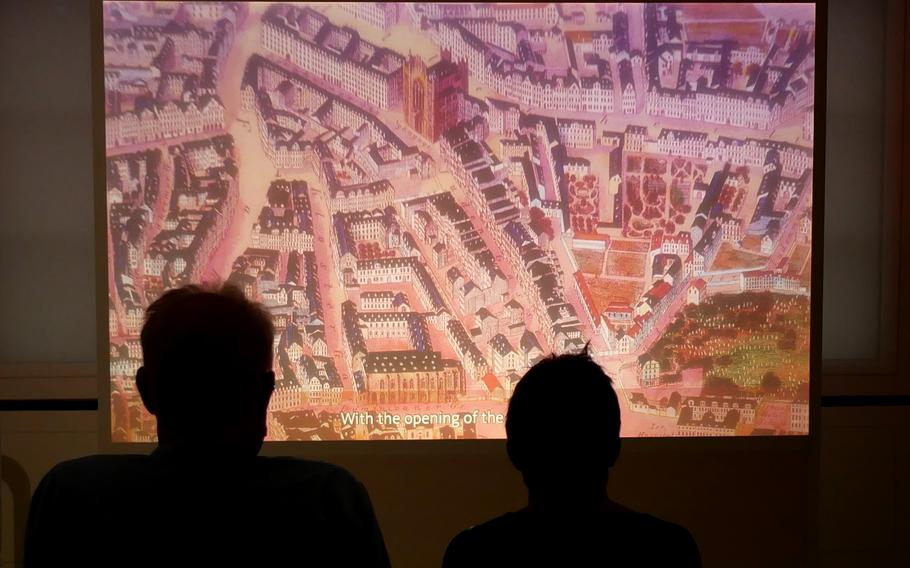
{"x": 732, "y": 500}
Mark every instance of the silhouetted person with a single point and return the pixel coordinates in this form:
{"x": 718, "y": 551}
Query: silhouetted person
{"x": 562, "y": 433}
{"x": 203, "y": 497}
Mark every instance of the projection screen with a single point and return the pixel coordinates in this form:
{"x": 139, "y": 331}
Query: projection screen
{"x": 431, "y": 197}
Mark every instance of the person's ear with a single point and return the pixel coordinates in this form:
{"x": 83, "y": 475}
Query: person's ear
{"x": 268, "y": 385}
{"x": 514, "y": 455}
{"x": 148, "y": 390}
{"x": 613, "y": 452}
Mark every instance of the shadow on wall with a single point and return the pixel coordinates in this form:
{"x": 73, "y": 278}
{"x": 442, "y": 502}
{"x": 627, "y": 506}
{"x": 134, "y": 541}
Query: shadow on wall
{"x": 16, "y": 479}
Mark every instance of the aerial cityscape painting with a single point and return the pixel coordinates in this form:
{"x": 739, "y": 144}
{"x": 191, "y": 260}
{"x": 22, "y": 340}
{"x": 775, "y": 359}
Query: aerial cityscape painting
{"x": 431, "y": 197}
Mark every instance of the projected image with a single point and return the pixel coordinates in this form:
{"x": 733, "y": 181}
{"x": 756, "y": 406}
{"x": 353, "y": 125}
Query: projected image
{"x": 431, "y": 197}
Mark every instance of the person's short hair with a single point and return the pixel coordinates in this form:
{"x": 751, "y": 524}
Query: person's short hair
{"x": 564, "y": 413}
{"x": 202, "y": 344}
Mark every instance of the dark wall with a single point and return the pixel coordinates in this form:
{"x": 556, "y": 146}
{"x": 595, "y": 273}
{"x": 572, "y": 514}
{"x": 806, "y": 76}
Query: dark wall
{"x": 46, "y": 220}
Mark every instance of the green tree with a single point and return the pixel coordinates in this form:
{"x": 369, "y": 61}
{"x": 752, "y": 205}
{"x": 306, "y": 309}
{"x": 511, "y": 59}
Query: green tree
{"x": 770, "y": 383}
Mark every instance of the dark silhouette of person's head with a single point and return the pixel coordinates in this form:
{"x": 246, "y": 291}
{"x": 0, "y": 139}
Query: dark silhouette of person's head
{"x": 563, "y": 429}
{"x": 207, "y": 369}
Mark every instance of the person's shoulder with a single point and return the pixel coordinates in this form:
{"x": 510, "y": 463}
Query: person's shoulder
{"x": 480, "y": 536}
{"x": 331, "y": 494}
{"x": 301, "y": 468}
{"x": 671, "y": 535}
{"x": 103, "y": 460}
{"x": 497, "y": 525}
{"x": 315, "y": 474}
{"x": 91, "y": 475}
{"x": 659, "y": 525}
{"x": 90, "y": 466}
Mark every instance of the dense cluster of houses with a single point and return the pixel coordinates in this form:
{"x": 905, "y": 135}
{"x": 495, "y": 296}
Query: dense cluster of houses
{"x": 160, "y": 77}
{"x": 777, "y": 80}
{"x": 453, "y": 276}
{"x": 337, "y": 54}
{"x": 303, "y": 124}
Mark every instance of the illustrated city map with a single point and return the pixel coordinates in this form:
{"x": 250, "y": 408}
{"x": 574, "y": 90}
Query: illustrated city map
{"x": 431, "y": 197}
